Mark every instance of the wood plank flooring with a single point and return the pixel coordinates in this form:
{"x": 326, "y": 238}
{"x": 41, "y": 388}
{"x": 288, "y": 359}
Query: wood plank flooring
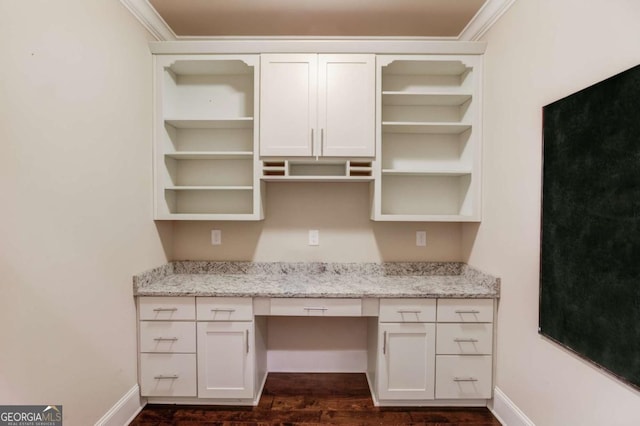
{"x": 312, "y": 399}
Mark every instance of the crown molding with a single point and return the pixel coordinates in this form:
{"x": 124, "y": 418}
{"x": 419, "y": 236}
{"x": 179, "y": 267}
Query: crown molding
{"x": 150, "y": 19}
{"x": 488, "y": 15}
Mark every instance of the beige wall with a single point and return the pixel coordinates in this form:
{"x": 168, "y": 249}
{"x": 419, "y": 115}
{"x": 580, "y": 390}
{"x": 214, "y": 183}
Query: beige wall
{"x": 75, "y": 221}
{"x": 339, "y": 211}
{"x": 540, "y": 51}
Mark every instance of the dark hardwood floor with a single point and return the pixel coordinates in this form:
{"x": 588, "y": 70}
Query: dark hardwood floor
{"x": 312, "y": 399}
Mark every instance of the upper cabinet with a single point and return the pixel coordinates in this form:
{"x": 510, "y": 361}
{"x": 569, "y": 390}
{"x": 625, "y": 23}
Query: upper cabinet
{"x": 206, "y": 138}
{"x": 429, "y": 135}
{"x": 317, "y": 105}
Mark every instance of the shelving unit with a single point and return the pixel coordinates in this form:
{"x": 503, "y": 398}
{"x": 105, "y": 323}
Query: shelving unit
{"x": 317, "y": 171}
{"x": 206, "y": 138}
{"x": 428, "y": 138}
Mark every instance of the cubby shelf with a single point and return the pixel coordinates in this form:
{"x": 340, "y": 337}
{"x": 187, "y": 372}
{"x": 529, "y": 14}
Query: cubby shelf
{"x": 424, "y": 127}
{"x": 424, "y": 98}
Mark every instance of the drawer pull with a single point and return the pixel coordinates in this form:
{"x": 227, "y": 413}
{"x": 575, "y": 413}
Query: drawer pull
{"x": 165, "y": 339}
{"x": 161, "y": 377}
{"x": 165, "y": 309}
{"x": 223, "y": 310}
{"x": 465, "y": 340}
{"x": 404, "y": 311}
{"x": 473, "y": 311}
{"x": 311, "y": 308}
{"x": 465, "y": 379}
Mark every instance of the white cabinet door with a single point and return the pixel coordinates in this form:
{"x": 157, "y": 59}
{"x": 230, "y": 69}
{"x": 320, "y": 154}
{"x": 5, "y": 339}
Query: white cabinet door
{"x": 317, "y": 105}
{"x": 407, "y": 365}
{"x": 288, "y": 104}
{"x": 346, "y": 99}
{"x": 225, "y": 359}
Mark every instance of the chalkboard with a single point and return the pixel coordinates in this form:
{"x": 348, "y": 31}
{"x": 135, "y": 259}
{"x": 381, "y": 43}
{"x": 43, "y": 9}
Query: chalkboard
{"x": 590, "y": 248}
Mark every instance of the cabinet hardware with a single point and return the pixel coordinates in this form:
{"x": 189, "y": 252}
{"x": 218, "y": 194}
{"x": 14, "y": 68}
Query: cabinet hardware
{"x": 165, "y": 339}
{"x": 465, "y": 340}
{"x": 246, "y": 332}
{"x": 161, "y": 377}
{"x": 223, "y": 310}
{"x": 165, "y": 309}
{"x": 403, "y": 311}
{"x": 321, "y": 141}
{"x": 384, "y": 343}
{"x": 465, "y": 379}
{"x": 311, "y": 308}
{"x": 468, "y": 312}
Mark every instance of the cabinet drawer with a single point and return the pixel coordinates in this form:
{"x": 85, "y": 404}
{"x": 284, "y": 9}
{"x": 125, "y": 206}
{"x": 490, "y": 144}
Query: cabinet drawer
{"x": 167, "y": 308}
{"x": 168, "y": 336}
{"x": 168, "y": 374}
{"x": 317, "y": 307}
{"x": 464, "y": 339}
{"x": 465, "y": 310}
{"x": 463, "y": 376}
{"x": 407, "y": 310}
{"x": 224, "y": 308}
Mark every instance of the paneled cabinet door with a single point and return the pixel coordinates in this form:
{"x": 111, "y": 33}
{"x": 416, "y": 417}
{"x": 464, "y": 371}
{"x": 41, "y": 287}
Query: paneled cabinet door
{"x": 317, "y": 105}
{"x": 225, "y": 360}
{"x": 406, "y": 366}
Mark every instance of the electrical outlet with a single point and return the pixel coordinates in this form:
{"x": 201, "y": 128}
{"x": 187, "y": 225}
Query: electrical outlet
{"x": 216, "y": 237}
{"x": 314, "y": 237}
{"x": 421, "y": 238}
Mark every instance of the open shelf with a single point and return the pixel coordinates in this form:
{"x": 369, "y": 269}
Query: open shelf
{"x": 424, "y": 127}
{"x": 213, "y": 123}
{"x": 319, "y": 171}
{"x": 210, "y": 155}
{"x": 205, "y": 146}
{"x": 428, "y": 154}
{"x": 390, "y": 98}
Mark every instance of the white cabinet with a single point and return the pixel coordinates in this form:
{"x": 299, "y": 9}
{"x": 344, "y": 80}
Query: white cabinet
{"x": 428, "y": 138}
{"x": 406, "y": 343}
{"x": 206, "y": 137}
{"x": 464, "y": 362}
{"x": 317, "y": 105}
{"x": 225, "y": 359}
{"x": 167, "y": 342}
{"x": 406, "y": 367}
{"x": 226, "y": 348}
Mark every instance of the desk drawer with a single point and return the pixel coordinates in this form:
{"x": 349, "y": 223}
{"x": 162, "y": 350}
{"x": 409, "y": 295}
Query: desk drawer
{"x": 407, "y": 310}
{"x": 463, "y": 376}
{"x": 168, "y": 375}
{"x": 319, "y": 307}
{"x": 465, "y": 310}
{"x": 168, "y": 336}
{"x": 225, "y": 308}
{"x": 167, "y": 308}
{"x": 464, "y": 339}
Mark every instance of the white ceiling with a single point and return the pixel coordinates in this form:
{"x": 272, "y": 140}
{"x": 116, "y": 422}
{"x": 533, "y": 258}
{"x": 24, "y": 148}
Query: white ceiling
{"x": 440, "y": 19}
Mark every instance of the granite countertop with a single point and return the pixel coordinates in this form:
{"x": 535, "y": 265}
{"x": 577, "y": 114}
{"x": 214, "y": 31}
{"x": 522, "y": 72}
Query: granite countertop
{"x": 311, "y": 279}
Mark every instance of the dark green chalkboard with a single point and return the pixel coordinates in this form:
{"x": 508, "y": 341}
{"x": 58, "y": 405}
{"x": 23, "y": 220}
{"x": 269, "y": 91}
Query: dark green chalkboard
{"x": 590, "y": 249}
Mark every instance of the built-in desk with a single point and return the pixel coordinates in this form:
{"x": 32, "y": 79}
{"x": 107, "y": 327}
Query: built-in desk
{"x": 203, "y": 327}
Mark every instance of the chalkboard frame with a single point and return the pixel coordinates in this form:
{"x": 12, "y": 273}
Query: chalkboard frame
{"x": 590, "y": 225}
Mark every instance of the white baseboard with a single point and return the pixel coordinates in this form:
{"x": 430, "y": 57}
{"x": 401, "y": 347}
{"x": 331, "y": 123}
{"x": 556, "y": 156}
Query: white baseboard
{"x": 125, "y": 410}
{"x": 507, "y": 412}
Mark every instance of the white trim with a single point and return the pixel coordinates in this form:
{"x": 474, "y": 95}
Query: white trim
{"x": 125, "y": 410}
{"x": 150, "y": 19}
{"x": 488, "y": 15}
{"x": 317, "y": 45}
{"x": 507, "y": 412}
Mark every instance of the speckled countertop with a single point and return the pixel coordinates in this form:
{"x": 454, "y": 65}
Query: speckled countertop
{"x": 349, "y": 280}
